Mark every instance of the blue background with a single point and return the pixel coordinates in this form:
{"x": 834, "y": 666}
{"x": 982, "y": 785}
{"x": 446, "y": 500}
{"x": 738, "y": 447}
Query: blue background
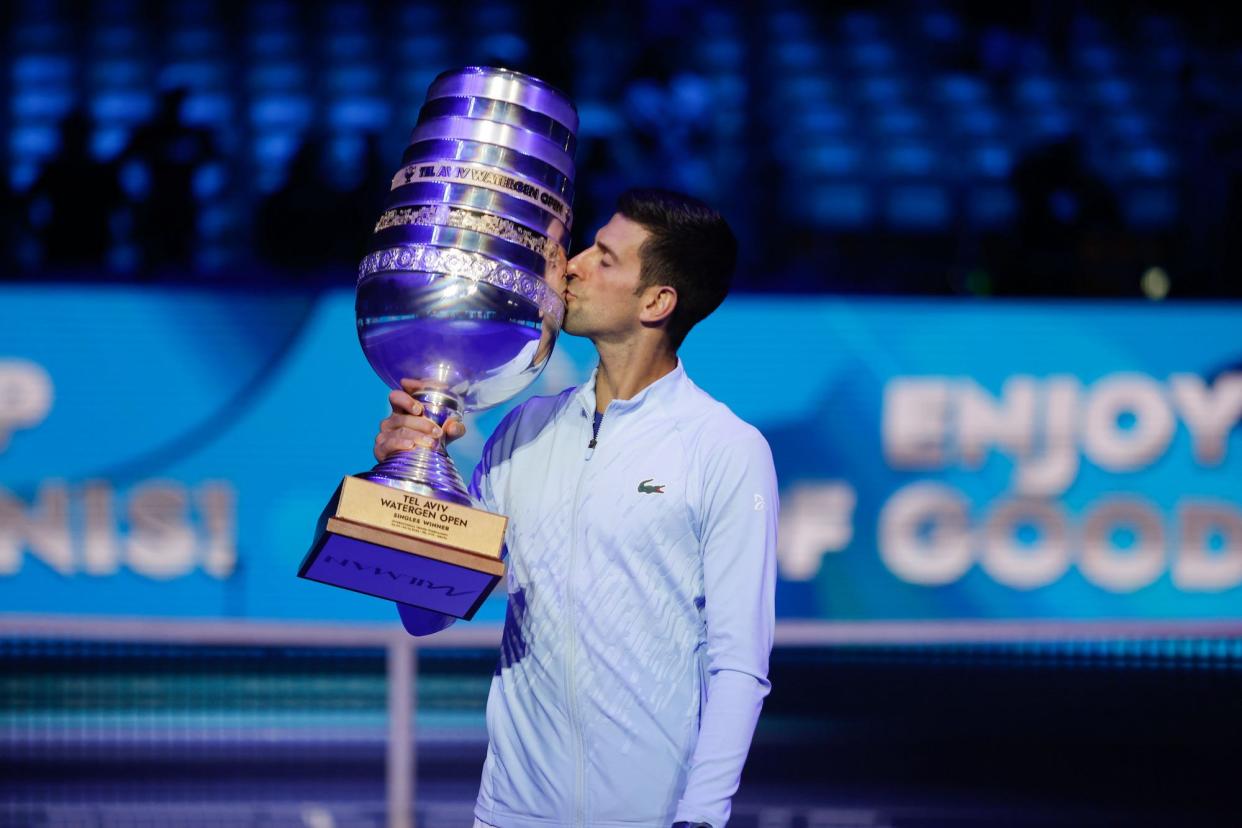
{"x": 271, "y": 393}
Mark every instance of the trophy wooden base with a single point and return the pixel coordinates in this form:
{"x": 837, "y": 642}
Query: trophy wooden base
{"x": 404, "y": 547}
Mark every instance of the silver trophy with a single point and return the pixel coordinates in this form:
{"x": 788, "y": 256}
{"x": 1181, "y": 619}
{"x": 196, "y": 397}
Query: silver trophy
{"x": 455, "y": 293}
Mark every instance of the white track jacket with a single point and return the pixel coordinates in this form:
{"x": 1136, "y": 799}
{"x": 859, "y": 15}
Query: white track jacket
{"x": 641, "y": 578}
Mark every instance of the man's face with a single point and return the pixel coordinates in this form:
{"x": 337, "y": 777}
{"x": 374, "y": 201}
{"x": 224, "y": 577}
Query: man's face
{"x": 601, "y": 283}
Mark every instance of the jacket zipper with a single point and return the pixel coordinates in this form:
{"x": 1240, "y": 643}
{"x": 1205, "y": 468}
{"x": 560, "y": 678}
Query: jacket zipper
{"x": 575, "y": 717}
{"x": 596, "y": 423}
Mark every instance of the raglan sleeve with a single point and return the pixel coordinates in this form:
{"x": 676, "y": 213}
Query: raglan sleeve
{"x": 738, "y": 541}
{"x": 416, "y": 620}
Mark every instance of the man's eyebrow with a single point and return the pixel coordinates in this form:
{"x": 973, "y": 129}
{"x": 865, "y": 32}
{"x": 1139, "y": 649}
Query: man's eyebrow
{"x": 608, "y": 251}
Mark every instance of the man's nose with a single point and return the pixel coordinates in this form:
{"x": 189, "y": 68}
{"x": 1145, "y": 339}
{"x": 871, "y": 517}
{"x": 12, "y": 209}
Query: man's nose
{"x": 574, "y": 266}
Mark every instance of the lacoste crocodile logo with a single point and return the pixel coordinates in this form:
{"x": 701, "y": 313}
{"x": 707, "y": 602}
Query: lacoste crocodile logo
{"x": 643, "y": 488}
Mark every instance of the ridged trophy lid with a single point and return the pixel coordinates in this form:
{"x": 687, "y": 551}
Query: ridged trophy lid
{"x": 500, "y": 84}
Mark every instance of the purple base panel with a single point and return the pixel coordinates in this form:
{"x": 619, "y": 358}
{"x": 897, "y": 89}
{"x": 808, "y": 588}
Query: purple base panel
{"x": 411, "y": 579}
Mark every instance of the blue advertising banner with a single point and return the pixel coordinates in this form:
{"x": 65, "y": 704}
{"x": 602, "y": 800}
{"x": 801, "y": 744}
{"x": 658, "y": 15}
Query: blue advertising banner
{"x": 166, "y": 452}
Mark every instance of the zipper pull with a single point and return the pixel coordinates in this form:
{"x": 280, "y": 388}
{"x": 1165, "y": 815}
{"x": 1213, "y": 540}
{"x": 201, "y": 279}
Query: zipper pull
{"x": 599, "y": 420}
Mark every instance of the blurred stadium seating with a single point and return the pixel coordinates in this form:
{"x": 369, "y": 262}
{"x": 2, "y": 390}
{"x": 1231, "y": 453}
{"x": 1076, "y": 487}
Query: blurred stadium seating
{"x": 842, "y": 142}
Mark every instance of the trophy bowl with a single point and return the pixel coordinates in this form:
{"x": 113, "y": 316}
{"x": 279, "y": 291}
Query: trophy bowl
{"x": 474, "y": 334}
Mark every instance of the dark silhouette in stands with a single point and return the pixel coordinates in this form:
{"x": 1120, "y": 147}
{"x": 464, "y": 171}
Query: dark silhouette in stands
{"x": 1065, "y": 242}
{"x": 71, "y": 204}
{"x": 169, "y": 153}
{"x": 311, "y": 225}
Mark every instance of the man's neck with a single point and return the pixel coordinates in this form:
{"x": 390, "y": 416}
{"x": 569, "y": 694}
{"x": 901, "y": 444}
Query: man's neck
{"x": 627, "y": 368}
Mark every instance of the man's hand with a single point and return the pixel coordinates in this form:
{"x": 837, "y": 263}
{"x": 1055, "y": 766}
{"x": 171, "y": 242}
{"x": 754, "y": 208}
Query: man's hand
{"x": 406, "y": 427}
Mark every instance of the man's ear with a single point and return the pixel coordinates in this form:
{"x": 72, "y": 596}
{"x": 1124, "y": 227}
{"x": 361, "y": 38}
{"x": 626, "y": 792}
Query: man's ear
{"x": 658, "y": 304}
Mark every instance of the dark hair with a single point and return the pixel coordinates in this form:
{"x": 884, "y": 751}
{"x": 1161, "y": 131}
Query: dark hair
{"x": 690, "y": 248}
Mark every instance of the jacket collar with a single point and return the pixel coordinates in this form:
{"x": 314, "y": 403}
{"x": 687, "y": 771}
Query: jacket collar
{"x": 659, "y": 391}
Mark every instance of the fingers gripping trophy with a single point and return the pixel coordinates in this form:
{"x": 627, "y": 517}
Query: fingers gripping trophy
{"x": 460, "y": 292}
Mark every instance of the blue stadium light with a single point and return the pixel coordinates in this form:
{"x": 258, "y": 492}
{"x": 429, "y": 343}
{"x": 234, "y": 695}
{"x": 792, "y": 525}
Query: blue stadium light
{"x": 275, "y": 148}
{"x": 1150, "y": 162}
{"x": 135, "y": 179}
{"x": 360, "y": 113}
{"x": 341, "y": 16}
{"x": 961, "y": 89}
{"x": 349, "y": 45}
{"x": 1129, "y": 125}
{"x": 910, "y": 159}
{"x": 1166, "y": 57}
{"x": 1150, "y": 207}
{"x": 798, "y": 54}
{"x": 40, "y": 69}
{"x": 858, "y": 24}
{"x": 807, "y": 87}
{"x": 841, "y": 205}
{"x": 980, "y": 121}
{"x": 991, "y": 206}
{"x": 834, "y": 158}
{"x": 1113, "y": 92}
{"x": 208, "y": 181}
{"x": 207, "y": 109}
{"x": 723, "y": 51}
{"x": 416, "y": 17}
{"x": 118, "y": 72}
{"x": 730, "y": 90}
{"x": 34, "y": 141}
{"x": 941, "y": 25}
{"x": 22, "y": 175}
{"x": 1051, "y": 124}
{"x": 788, "y": 23}
{"x": 117, "y": 38}
{"x": 213, "y": 221}
{"x": 923, "y": 207}
{"x": 356, "y": 78}
{"x": 827, "y": 120}
{"x": 193, "y": 74}
{"x": 108, "y": 142}
{"x": 274, "y": 44}
{"x": 40, "y": 36}
{"x": 1037, "y": 91}
{"x": 271, "y": 13}
{"x": 193, "y": 41}
{"x": 1098, "y": 58}
{"x": 42, "y": 105}
{"x": 505, "y": 46}
{"x": 274, "y": 77}
{"x": 124, "y": 258}
{"x": 284, "y": 111}
{"x": 882, "y": 90}
{"x": 424, "y": 49}
{"x": 122, "y": 106}
{"x": 992, "y": 160}
{"x": 873, "y": 55}
{"x": 898, "y": 121}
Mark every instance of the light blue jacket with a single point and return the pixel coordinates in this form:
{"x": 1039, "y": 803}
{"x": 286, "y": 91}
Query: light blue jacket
{"x": 641, "y": 577}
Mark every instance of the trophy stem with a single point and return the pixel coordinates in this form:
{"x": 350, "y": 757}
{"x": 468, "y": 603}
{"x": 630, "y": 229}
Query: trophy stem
{"x": 426, "y": 471}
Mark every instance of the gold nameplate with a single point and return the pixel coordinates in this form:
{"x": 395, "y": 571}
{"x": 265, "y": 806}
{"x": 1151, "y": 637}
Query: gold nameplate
{"x": 415, "y": 546}
{"x": 403, "y": 513}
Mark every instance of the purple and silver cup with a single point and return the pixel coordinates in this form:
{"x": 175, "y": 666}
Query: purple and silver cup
{"x": 460, "y": 289}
